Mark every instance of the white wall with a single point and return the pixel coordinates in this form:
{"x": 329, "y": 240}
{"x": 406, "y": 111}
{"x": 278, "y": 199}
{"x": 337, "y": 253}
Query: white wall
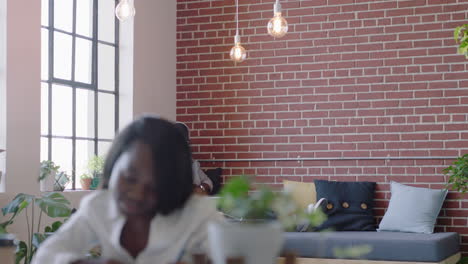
{"x": 2, "y": 89}
{"x": 155, "y": 57}
{"x": 153, "y": 82}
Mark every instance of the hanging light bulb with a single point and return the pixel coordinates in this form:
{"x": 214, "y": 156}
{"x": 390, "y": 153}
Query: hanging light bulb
{"x": 277, "y": 26}
{"x": 125, "y": 10}
{"x": 238, "y": 53}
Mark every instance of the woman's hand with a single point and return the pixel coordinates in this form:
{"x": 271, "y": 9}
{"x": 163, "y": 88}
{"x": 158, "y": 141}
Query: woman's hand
{"x": 97, "y": 261}
{"x": 202, "y": 189}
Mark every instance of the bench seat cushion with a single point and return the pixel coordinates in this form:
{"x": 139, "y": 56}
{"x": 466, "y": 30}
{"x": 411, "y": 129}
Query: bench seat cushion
{"x": 390, "y": 246}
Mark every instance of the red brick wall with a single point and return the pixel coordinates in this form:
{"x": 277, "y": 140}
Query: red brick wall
{"x": 353, "y": 79}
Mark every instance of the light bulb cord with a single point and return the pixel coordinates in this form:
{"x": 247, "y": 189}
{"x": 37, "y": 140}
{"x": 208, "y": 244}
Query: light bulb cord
{"x": 276, "y": 8}
{"x": 237, "y": 17}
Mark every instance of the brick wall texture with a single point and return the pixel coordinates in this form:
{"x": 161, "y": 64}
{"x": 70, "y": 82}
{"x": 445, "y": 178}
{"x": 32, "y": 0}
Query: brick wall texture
{"x": 352, "y": 79}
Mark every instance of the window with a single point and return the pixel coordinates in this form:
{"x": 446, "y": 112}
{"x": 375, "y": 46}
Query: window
{"x": 79, "y": 97}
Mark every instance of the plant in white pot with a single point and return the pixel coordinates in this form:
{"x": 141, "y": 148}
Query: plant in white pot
{"x": 259, "y": 218}
{"x": 47, "y": 175}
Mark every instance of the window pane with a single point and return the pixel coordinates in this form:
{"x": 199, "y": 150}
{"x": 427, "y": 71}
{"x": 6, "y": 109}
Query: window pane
{"x": 44, "y": 54}
{"x": 106, "y": 20}
{"x": 83, "y": 60}
{"x": 62, "y": 56}
{"x": 106, "y": 116}
{"x": 84, "y": 17}
{"x": 44, "y": 109}
{"x": 106, "y": 72}
{"x": 63, "y": 14}
{"x": 103, "y": 148}
{"x": 44, "y": 148}
{"x": 62, "y": 154}
{"x": 84, "y": 113}
{"x": 45, "y": 13}
{"x": 61, "y": 110}
{"x": 84, "y": 151}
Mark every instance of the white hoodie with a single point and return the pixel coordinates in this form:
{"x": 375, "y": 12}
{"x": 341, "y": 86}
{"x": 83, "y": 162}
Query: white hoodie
{"x": 98, "y": 221}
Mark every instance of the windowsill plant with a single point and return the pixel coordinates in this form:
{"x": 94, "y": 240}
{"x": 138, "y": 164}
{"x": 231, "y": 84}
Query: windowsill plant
{"x": 86, "y": 181}
{"x": 95, "y": 169}
{"x": 50, "y": 178}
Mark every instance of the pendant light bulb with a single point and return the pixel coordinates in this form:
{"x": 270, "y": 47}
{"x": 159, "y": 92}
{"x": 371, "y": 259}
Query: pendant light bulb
{"x": 238, "y": 53}
{"x": 124, "y": 10}
{"x": 277, "y": 26}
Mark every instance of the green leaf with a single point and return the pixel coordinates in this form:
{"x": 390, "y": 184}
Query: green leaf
{"x": 456, "y": 33}
{"x": 458, "y": 174}
{"x": 38, "y": 238}
{"x": 54, "y": 227}
{"x": 3, "y": 230}
{"x": 21, "y": 252}
{"x": 20, "y": 202}
{"x": 237, "y": 187}
{"x": 54, "y": 205}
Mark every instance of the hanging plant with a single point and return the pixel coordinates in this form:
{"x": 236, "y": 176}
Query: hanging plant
{"x": 461, "y": 37}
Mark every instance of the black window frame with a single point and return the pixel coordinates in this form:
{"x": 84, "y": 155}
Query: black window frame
{"x": 74, "y": 85}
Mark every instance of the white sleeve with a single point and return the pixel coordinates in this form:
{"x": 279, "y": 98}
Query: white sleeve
{"x": 199, "y": 240}
{"x": 201, "y": 175}
{"x": 71, "y": 242}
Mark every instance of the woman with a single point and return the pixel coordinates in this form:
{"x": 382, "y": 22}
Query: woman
{"x": 146, "y": 212}
{"x": 201, "y": 183}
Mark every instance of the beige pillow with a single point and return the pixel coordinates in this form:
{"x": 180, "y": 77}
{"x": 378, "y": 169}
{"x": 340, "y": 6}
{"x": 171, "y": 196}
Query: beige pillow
{"x": 302, "y": 192}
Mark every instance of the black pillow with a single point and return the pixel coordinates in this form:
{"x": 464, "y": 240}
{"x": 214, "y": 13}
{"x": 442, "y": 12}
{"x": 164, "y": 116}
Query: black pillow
{"x": 349, "y": 205}
{"x": 215, "y": 177}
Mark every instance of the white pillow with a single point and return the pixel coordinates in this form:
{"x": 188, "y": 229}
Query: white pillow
{"x": 412, "y": 209}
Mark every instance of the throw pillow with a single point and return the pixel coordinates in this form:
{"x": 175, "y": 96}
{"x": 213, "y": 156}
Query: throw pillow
{"x": 349, "y": 205}
{"x": 303, "y": 193}
{"x": 412, "y": 209}
{"x": 215, "y": 177}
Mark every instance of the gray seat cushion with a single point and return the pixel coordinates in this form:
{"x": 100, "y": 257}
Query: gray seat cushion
{"x": 391, "y": 246}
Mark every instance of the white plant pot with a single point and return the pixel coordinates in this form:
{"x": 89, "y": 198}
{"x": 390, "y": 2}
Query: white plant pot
{"x": 47, "y": 184}
{"x": 258, "y": 243}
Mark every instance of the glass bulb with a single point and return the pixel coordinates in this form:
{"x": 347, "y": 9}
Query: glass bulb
{"x": 277, "y": 26}
{"x": 124, "y": 10}
{"x": 238, "y": 53}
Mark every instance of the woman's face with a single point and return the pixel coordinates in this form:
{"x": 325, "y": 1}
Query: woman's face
{"x": 133, "y": 181}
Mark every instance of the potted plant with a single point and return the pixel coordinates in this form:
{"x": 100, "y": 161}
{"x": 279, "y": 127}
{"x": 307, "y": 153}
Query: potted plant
{"x": 95, "y": 168}
{"x": 47, "y": 175}
{"x": 458, "y": 179}
{"x": 460, "y": 35}
{"x": 54, "y": 205}
{"x": 86, "y": 181}
{"x": 458, "y": 174}
{"x": 259, "y": 219}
